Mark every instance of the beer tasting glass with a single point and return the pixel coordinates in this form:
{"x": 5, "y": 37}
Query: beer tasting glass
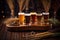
{"x": 27, "y": 19}
{"x": 33, "y": 17}
{"x": 39, "y": 17}
{"x": 21, "y": 18}
{"x": 46, "y": 17}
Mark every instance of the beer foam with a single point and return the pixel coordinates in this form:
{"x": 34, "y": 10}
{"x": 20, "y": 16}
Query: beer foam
{"x": 20, "y": 13}
{"x": 45, "y": 13}
{"x": 39, "y": 14}
{"x": 33, "y": 13}
{"x": 27, "y": 14}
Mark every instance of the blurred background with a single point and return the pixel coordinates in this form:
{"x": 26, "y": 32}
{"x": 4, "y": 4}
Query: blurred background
{"x": 10, "y": 8}
{"x": 39, "y": 6}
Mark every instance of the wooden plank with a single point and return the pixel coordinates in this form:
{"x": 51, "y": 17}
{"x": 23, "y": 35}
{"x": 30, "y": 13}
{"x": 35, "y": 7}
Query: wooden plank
{"x": 28, "y": 28}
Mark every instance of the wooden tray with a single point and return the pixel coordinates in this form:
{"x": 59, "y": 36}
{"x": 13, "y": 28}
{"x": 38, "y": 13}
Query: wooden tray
{"x": 28, "y": 27}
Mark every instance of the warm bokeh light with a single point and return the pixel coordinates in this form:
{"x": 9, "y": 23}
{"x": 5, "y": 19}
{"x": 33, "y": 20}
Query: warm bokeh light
{"x": 46, "y": 4}
{"x": 23, "y": 4}
{"x": 27, "y": 4}
{"x": 11, "y": 6}
{"x": 10, "y": 3}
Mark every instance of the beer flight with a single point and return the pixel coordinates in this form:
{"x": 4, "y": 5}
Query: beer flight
{"x": 33, "y": 18}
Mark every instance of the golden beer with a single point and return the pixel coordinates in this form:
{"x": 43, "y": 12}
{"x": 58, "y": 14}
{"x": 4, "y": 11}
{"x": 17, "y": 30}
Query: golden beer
{"x": 21, "y": 18}
{"x": 39, "y": 17}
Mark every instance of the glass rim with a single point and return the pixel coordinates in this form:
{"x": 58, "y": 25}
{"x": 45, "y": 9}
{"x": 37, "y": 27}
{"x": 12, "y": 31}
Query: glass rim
{"x": 45, "y": 13}
{"x": 20, "y": 13}
{"x": 27, "y": 14}
{"x": 33, "y": 13}
{"x": 39, "y": 14}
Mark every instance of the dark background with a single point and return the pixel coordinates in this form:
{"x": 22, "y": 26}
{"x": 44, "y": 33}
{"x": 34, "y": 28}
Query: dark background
{"x": 34, "y": 5}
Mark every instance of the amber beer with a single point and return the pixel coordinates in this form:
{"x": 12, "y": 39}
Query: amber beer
{"x": 27, "y": 18}
{"x": 21, "y": 18}
{"x": 39, "y": 17}
{"x": 33, "y": 17}
{"x": 46, "y": 16}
